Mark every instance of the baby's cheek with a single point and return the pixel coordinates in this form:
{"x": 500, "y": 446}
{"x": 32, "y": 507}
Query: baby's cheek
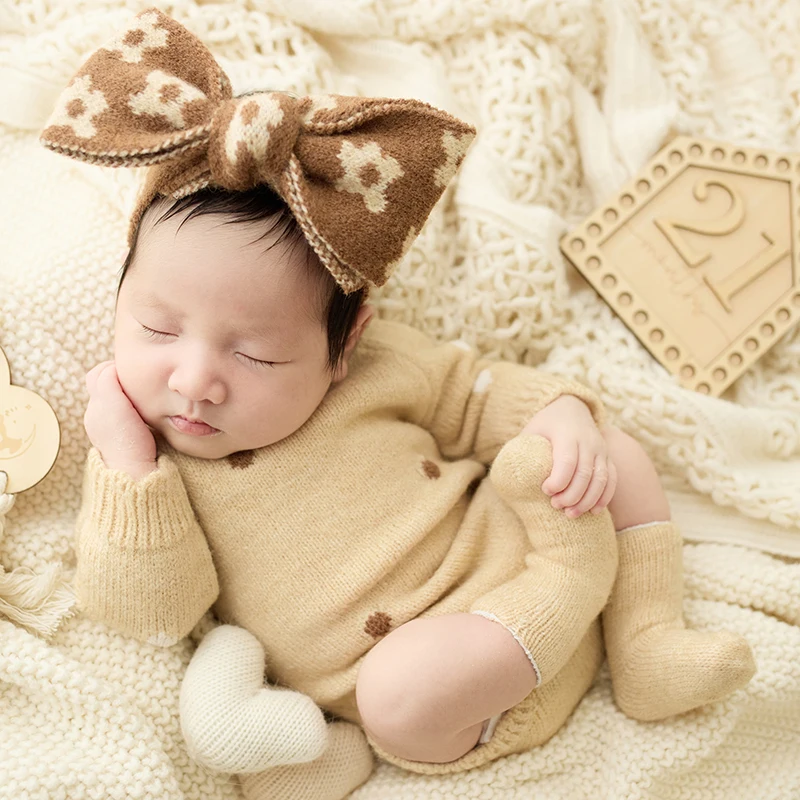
{"x": 292, "y": 403}
{"x": 142, "y": 378}
{"x": 310, "y": 390}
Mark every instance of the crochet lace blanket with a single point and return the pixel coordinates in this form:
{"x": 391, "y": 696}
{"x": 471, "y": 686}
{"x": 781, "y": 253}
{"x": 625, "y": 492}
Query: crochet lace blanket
{"x": 570, "y": 97}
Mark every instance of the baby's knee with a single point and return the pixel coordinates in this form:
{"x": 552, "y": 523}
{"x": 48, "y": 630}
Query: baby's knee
{"x": 389, "y": 690}
{"x": 407, "y": 706}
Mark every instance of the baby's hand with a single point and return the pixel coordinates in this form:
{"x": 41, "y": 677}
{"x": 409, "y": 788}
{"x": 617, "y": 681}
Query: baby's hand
{"x": 584, "y": 477}
{"x": 114, "y": 426}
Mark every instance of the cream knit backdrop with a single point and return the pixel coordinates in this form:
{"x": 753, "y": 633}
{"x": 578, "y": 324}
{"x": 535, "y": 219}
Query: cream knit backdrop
{"x": 569, "y": 96}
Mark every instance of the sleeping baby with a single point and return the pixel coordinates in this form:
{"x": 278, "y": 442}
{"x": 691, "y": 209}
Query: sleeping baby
{"x": 423, "y": 542}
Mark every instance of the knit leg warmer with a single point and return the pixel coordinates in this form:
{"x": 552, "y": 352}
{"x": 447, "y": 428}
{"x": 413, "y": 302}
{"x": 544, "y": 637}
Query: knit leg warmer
{"x": 659, "y": 668}
{"x": 549, "y": 606}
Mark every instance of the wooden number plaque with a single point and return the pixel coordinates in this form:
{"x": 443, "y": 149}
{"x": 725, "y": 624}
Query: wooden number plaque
{"x": 699, "y": 255}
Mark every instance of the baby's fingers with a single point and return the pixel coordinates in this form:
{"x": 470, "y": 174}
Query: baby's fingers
{"x": 608, "y": 492}
{"x": 565, "y": 462}
{"x": 581, "y": 479}
{"x": 94, "y": 373}
{"x": 594, "y": 491}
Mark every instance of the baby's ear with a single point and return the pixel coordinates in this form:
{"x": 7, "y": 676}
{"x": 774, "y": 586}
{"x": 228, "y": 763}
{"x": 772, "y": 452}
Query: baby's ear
{"x": 363, "y": 318}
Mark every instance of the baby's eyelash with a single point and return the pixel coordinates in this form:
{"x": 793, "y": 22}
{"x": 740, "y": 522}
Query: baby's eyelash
{"x": 154, "y": 334}
{"x": 257, "y": 361}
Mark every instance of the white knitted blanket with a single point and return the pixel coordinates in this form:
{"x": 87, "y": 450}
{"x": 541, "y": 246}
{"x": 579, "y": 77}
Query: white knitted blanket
{"x": 570, "y": 97}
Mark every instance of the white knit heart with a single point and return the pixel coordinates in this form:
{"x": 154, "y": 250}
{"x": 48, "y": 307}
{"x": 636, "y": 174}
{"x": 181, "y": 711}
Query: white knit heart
{"x": 232, "y": 722}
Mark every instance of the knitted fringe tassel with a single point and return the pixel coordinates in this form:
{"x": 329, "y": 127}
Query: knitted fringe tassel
{"x": 38, "y": 603}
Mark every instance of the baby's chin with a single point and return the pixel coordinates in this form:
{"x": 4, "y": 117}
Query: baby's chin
{"x": 210, "y": 447}
{"x": 214, "y": 446}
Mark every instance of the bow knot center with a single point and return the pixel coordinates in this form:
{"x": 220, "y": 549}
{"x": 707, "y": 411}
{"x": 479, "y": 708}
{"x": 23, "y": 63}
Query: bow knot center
{"x": 252, "y": 138}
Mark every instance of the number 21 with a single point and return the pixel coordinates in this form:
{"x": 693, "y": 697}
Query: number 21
{"x": 729, "y": 222}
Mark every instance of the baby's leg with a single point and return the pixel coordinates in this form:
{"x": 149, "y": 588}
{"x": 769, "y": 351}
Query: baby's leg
{"x": 425, "y": 691}
{"x": 658, "y": 668}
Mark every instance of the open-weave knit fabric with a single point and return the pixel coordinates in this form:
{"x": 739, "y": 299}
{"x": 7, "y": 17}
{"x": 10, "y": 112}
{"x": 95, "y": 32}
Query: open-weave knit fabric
{"x": 569, "y": 98}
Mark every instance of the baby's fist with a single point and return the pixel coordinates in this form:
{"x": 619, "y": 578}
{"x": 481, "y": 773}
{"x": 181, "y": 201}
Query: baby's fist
{"x": 114, "y": 426}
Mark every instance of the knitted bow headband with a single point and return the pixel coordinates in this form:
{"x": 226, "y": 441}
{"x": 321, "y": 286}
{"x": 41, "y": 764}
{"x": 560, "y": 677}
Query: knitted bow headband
{"x": 360, "y": 175}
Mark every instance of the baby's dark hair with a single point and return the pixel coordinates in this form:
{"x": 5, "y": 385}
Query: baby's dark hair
{"x": 262, "y": 204}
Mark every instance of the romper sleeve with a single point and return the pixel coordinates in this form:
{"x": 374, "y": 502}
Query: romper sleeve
{"x": 144, "y": 565}
{"x": 472, "y": 405}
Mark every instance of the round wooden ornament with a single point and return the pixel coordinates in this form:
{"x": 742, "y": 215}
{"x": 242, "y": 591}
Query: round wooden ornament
{"x": 30, "y": 435}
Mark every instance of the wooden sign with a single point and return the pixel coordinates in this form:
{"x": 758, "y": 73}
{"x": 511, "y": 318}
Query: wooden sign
{"x": 29, "y": 434}
{"x": 699, "y": 255}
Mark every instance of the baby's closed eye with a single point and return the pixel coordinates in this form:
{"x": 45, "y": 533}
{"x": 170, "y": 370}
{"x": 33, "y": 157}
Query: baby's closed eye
{"x": 258, "y": 361}
{"x": 156, "y": 334}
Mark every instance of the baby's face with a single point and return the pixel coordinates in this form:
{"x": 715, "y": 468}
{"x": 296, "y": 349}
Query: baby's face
{"x": 219, "y": 345}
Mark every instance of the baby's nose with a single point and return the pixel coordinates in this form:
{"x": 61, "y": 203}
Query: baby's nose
{"x": 197, "y": 383}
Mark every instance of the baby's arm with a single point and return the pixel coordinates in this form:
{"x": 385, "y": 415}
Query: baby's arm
{"x": 474, "y": 405}
{"x": 144, "y": 566}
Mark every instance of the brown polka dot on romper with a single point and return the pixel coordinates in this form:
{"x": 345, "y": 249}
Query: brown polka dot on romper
{"x": 430, "y": 470}
{"x": 241, "y": 460}
{"x": 378, "y": 624}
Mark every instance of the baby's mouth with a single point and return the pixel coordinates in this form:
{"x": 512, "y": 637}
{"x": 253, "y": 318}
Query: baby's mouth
{"x": 192, "y": 427}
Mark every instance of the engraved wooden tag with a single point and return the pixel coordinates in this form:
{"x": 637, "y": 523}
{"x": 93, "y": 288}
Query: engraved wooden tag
{"x": 699, "y": 255}
{"x": 29, "y": 434}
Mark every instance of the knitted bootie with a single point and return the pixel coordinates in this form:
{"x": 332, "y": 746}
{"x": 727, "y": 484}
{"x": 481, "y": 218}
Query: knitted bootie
{"x": 343, "y": 767}
{"x": 570, "y": 570}
{"x": 658, "y": 667}
{"x": 232, "y": 722}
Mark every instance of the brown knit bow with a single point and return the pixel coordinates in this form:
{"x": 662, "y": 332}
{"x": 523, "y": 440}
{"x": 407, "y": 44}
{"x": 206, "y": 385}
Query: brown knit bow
{"x": 361, "y": 175}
